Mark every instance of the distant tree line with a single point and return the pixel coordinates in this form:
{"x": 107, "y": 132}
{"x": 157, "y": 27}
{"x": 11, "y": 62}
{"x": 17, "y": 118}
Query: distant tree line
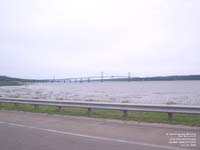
{"x": 159, "y": 78}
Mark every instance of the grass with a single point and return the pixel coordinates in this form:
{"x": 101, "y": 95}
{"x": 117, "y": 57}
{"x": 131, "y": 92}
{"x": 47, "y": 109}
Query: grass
{"x": 184, "y": 119}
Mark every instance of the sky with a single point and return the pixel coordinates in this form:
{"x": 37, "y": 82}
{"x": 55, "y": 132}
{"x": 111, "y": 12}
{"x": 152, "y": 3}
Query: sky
{"x": 75, "y": 38}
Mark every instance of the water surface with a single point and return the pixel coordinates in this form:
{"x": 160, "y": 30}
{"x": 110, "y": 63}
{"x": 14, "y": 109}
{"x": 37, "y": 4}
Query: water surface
{"x": 141, "y": 92}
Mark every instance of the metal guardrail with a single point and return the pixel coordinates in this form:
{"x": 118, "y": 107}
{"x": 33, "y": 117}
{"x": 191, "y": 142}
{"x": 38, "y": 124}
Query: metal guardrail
{"x": 125, "y": 107}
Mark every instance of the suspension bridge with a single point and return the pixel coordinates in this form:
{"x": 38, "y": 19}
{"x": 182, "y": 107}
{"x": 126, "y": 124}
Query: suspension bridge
{"x": 100, "y": 78}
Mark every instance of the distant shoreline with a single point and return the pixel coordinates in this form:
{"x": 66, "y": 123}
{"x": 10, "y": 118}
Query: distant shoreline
{"x": 5, "y": 80}
{"x": 163, "y": 78}
{"x": 9, "y": 83}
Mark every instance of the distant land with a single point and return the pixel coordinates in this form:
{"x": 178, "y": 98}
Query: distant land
{"x": 157, "y": 78}
{"x": 6, "y": 78}
{"x": 164, "y": 78}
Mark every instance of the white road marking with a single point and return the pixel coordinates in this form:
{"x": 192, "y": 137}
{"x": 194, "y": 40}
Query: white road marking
{"x": 91, "y": 137}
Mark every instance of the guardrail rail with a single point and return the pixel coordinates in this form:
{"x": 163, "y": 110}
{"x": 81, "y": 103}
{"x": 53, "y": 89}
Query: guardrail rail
{"x": 124, "y": 107}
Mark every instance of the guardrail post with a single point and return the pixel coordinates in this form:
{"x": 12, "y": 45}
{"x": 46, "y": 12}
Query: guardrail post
{"x": 101, "y": 76}
{"x": 15, "y": 104}
{"x": 125, "y": 113}
{"x": 36, "y": 106}
{"x": 129, "y": 76}
{"x": 89, "y": 111}
{"x": 59, "y": 108}
{"x": 170, "y": 116}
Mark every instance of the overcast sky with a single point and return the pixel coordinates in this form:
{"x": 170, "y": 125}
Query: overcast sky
{"x": 66, "y": 38}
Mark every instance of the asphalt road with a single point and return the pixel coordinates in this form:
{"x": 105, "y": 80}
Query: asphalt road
{"x": 35, "y": 131}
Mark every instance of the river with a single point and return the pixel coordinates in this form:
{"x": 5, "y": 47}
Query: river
{"x": 140, "y": 92}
